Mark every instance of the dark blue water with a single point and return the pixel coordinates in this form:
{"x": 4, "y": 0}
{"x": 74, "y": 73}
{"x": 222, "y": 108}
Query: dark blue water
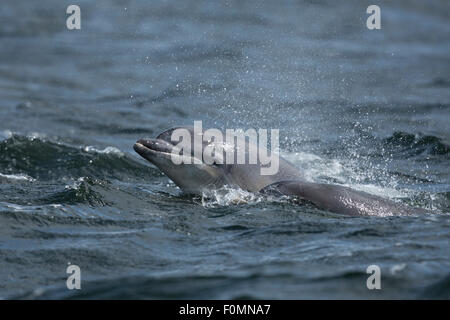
{"x": 366, "y": 109}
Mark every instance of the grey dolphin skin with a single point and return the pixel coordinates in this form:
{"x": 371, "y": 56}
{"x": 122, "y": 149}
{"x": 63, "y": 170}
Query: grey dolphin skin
{"x": 196, "y": 177}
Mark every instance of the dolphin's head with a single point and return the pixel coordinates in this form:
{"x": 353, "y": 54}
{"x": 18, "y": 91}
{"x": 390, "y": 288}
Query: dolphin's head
{"x": 192, "y": 175}
{"x": 195, "y": 175}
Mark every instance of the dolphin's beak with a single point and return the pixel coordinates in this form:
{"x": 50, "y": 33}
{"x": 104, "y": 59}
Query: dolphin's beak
{"x": 148, "y": 148}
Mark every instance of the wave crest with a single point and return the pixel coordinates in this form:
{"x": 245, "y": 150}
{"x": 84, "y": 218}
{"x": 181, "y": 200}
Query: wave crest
{"x": 42, "y": 159}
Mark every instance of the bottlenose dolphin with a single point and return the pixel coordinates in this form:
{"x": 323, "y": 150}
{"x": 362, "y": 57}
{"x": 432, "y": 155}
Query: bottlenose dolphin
{"x": 197, "y": 177}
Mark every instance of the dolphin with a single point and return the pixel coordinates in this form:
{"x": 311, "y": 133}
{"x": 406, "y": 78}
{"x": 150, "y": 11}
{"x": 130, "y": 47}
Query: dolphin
{"x": 194, "y": 177}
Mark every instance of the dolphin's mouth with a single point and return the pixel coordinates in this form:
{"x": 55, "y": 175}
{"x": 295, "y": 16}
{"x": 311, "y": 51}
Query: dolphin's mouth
{"x": 150, "y": 147}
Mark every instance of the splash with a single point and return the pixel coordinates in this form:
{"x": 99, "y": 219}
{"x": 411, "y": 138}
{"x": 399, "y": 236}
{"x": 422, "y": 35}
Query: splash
{"x": 349, "y": 174}
{"x": 227, "y": 196}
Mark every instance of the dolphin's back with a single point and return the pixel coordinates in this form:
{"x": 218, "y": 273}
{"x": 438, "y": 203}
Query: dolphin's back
{"x": 340, "y": 199}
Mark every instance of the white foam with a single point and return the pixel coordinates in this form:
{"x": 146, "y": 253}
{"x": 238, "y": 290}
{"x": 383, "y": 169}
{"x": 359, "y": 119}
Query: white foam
{"x": 17, "y": 177}
{"x": 16, "y": 207}
{"x": 36, "y": 135}
{"x": 75, "y": 185}
{"x": 107, "y": 150}
{"x": 5, "y": 134}
{"x": 226, "y": 196}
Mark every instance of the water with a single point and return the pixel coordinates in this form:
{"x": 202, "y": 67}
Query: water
{"x": 367, "y": 109}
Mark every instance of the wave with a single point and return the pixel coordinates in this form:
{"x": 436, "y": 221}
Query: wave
{"x": 416, "y": 144}
{"x": 37, "y": 158}
{"x": 243, "y": 285}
